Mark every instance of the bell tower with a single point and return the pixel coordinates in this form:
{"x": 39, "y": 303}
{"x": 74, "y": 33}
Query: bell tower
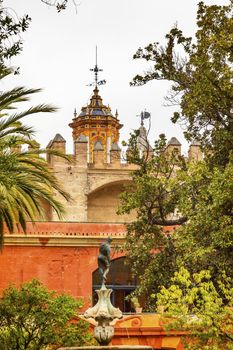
{"x": 96, "y": 123}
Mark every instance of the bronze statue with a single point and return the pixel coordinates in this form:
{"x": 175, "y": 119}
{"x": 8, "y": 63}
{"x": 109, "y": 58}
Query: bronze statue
{"x": 104, "y": 259}
{"x": 103, "y": 312}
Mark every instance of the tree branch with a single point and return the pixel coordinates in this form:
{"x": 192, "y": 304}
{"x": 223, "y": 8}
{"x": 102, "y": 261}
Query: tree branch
{"x": 165, "y": 222}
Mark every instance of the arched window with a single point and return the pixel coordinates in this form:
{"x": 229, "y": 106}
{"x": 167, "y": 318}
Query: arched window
{"x": 120, "y": 281}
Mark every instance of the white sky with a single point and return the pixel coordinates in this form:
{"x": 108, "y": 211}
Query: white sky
{"x": 59, "y": 50}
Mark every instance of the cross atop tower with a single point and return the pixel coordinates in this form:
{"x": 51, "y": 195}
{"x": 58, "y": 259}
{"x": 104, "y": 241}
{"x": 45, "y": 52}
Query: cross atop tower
{"x": 96, "y": 70}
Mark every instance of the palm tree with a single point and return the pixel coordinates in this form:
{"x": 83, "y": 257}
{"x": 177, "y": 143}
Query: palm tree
{"x": 25, "y": 177}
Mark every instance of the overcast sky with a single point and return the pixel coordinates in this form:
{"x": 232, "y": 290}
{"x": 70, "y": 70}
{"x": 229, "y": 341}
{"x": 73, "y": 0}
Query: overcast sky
{"x": 59, "y": 50}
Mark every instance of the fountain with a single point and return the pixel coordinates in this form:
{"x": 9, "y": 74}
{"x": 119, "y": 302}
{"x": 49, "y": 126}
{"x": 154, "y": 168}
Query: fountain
{"x": 104, "y": 312}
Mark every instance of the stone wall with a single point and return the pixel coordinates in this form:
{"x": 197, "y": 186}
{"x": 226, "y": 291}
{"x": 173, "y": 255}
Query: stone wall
{"x": 95, "y": 186}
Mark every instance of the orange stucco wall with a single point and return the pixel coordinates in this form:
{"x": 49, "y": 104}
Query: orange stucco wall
{"x": 61, "y": 255}
{"x": 65, "y": 269}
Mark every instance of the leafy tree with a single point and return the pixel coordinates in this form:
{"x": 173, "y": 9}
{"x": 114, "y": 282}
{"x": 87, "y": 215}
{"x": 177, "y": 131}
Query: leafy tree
{"x": 195, "y": 305}
{"x": 35, "y": 318}
{"x": 25, "y": 178}
{"x": 206, "y": 198}
{"x": 201, "y": 73}
{"x": 167, "y": 190}
{"x": 192, "y": 198}
{"x": 154, "y": 196}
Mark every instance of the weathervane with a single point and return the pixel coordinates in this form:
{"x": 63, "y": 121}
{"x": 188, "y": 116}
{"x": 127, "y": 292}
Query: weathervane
{"x": 144, "y": 115}
{"x": 96, "y": 70}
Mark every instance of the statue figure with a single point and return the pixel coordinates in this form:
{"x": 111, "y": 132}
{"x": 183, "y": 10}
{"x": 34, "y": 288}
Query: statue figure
{"x": 103, "y": 312}
{"x": 104, "y": 260}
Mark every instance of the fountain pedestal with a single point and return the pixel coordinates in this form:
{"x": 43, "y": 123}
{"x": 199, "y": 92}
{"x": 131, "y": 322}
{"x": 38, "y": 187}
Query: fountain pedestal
{"x": 103, "y": 313}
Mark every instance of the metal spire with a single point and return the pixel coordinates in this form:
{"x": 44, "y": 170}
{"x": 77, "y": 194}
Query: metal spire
{"x": 96, "y": 70}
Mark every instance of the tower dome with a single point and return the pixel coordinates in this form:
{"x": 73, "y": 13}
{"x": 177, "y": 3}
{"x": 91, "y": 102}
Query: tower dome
{"x": 97, "y": 123}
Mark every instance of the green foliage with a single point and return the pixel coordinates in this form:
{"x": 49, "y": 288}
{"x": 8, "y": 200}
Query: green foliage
{"x": 194, "y": 304}
{"x": 11, "y": 28}
{"x": 194, "y": 198}
{"x": 35, "y": 318}
{"x": 201, "y": 79}
{"x": 135, "y": 302}
{"x": 206, "y": 240}
{"x": 154, "y": 187}
{"x": 154, "y": 196}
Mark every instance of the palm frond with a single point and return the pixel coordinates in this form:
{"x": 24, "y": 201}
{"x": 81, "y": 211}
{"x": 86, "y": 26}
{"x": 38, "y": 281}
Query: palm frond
{"x": 16, "y": 95}
{"x": 26, "y": 179}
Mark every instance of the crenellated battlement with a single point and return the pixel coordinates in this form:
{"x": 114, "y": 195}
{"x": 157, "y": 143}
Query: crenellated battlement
{"x": 116, "y": 158}
{"x": 95, "y": 184}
